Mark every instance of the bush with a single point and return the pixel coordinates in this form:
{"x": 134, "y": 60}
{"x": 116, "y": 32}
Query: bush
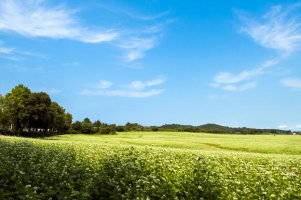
{"x": 72, "y": 131}
{"x": 107, "y": 130}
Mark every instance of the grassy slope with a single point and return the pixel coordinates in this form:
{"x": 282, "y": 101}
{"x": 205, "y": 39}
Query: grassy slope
{"x": 269, "y": 144}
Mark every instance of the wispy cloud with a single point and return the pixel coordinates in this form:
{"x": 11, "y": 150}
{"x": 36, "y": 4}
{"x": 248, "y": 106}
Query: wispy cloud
{"x": 34, "y": 19}
{"x": 141, "y": 85}
{"x": 136, "y": 47}
{"x": 298, "y": 126}
{"x": 71, "y": 64}
{"x": 104, "y": 84}
{"x": 292, "y": 83}
{"x": 122, "y": 10}
{"x": 15, "y": 54}
{"x": 38, "y": 18}
{"x": 242, "y": 87}
{"x": 278, "y": 29}
{"x": 135, "y": 89}
{"x": 123, "y": 93}
{"x": 282, "y": 126}
{"x": 5, "y": 50}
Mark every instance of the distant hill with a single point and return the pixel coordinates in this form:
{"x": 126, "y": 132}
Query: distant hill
{"x": 216, "y": 128}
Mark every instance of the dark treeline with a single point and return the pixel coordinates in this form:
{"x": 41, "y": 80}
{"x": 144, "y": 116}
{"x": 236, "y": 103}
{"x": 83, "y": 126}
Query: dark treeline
{"x": 215, "y": 128}
{"x": 86, "y": 126}
{"x": 23, "y": 112}
{"x": 27, "y": 113}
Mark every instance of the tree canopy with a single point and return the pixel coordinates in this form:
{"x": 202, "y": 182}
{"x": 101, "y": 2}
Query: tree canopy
{"x": 24, "y": 111}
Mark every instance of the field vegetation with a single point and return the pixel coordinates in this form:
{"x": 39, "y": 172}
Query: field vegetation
{"x": 154, "y": 165}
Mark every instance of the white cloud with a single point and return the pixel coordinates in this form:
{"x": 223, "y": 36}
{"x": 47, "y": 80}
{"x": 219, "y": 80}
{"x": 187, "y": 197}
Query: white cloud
{"x": 124, "y": 93}
{"x": 136, "y": 47}
{"x": 226, "y": 77}
{"x": 140, "y": 85}
{"x": 33, "y": 18}
{"x": 298, "y": 126}
{"x": 4, "y": 50}
{"x": 38, "y": 18}
{"x": 242, "y": 87}
{"x": 292, "y": 83}
{"x": 136, "y": 89}
{"x": 104, "y": 84}
{"x": 72, "y": 64}
{"x": 278, "y": 29}
{"x": 283, "y": 126}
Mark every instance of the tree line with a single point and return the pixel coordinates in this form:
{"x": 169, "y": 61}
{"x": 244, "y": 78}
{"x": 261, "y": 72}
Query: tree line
{"x": 27, "y": 113}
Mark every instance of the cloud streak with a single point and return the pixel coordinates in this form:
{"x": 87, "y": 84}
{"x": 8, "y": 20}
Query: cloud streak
{"x": 278, "y": 29}
{"x": 135, "y": 89}
{"x": 34, "y": 19}
{"x": 136, "y": 48}
{"x": 293, "y": 83}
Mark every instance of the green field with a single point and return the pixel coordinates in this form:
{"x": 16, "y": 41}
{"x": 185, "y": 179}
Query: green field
{"x": 267, "y": 144}
{"x": 151, "y": 165}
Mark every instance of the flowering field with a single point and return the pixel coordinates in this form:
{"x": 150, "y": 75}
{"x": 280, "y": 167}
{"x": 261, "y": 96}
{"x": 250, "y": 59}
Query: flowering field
{"x": 57, "y": 169}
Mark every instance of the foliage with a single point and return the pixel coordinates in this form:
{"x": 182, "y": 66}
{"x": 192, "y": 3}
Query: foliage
{"x": 87, "y": 127}
{"x": 39, "y": 169}
{"x": 24, "y": 111}
{"x": 215, "y": 128}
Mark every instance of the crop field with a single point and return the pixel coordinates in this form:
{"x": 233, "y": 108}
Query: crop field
{"x": 268, "y": 144}
{"x": 151, "y": 165}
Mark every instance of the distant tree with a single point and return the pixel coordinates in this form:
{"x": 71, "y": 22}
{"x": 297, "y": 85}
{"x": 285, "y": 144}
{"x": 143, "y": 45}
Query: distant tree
{"x": 16, "y": 102}
{"x": 38, "y": 111}
{"x": 87, "y": 121}
{"x": 61, "y": 121}
{"x": 97, "y": 124}
{"x": 4, "y": 117}
{"x": 77, "y": 126}
{"x": 87, "y": 126}
{"x": 133, "y": 127}
{"x": 68, "y": 120}
{"x": 107, "y": 130}
{"x": 154, "y": 128}
{"x": 120, "y": 128}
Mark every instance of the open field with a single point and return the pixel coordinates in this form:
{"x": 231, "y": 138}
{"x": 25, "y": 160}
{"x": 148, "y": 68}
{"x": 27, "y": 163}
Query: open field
{"x": 151, "y": 165}
{"x": 268, "y": 144}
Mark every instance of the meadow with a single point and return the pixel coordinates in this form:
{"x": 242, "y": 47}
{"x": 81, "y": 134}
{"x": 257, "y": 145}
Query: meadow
{"x": 268, "y": 144}
{"x": 151, "y": 165}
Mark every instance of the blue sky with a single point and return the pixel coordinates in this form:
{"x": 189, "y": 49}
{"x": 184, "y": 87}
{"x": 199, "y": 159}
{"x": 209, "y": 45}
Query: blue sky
{"x": 234, "y": 63}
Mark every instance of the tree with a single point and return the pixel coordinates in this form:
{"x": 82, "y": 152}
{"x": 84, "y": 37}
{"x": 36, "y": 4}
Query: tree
{"x": 87, "y": 121}
{"x": 87, "y": 126}
{"x": 4, "y": 118}
{"x": 61, "y": 121}
{"x": 16, "y": 102}
{"x": 77, "y": 126}
{"x": 38, "y": 111}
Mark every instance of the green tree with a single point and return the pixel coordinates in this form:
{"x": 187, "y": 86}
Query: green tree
{"x": 61, "y": 121}
{"x": 38, "y": 111}
{"x": 87, "y": 126}
{"x": 4, "y": 118}
{"x": 16, "y": 102}
{"x": 77, "y": 126}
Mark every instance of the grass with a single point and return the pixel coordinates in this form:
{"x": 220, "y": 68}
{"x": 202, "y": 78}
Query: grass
{"x": 267, "y": 144}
